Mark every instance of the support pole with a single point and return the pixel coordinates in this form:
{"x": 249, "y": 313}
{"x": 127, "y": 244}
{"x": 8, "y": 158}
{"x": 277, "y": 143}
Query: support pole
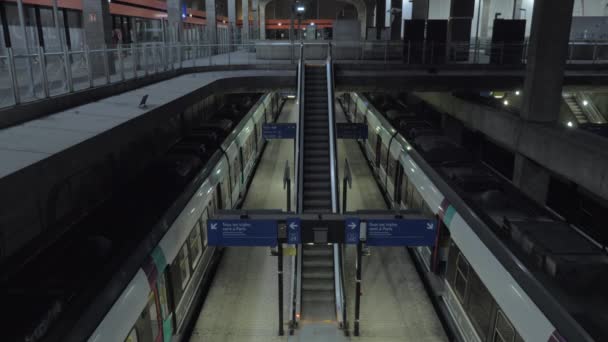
{"x": 358, "y": 288}
{"x": 280, "y": 272}
{"x": 287, "y": 184}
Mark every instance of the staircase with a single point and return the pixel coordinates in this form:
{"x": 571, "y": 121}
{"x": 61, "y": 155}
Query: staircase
{"x": 575, "y": 108}
{"x": 316, "y": 176}
{"x": 317, "y": 277}
{"x": 318, "y": 301}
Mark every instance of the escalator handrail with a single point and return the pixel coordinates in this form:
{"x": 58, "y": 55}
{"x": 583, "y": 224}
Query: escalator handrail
{"x": 299, "y": 169}
{"x": 338, "y": 276}
{"x": 300, "y": 133}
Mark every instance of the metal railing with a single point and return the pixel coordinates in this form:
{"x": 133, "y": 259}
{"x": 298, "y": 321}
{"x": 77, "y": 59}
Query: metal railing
{"x": 31, "y": 76}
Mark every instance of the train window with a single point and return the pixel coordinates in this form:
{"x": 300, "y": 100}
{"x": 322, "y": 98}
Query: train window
{"x": 461, "y": 278}
{"x": 194, "y": 244}
{"x": 404, "y": 185}
{"x": 378, "y": 150}
{"x": 155, "y": 321}
{"x": 391, "y": 167}
{"x": 204, "y": 218}
{"x": 503, "y": 330}
{"x": 132, "y": 337}
{"x": 162, "y": 295}
{"x": 383, "y": 156}
{"x": 479, "y": 306}
{"x": 184, "y": 266}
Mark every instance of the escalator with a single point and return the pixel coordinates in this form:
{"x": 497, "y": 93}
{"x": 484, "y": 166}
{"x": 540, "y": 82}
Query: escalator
{"x": 320, "y": 284}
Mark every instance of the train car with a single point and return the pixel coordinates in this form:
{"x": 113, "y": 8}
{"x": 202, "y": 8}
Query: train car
{"x": 510, "y": 269}
{"x": 158, "y": 302}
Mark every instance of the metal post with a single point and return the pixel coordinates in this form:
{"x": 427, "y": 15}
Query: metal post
{"x": 280, "y": 273}
{"x": 432, "y": 52}
{"x": 594, "y": 53}
{"x": 179, "y": 54}
{"x": 145, "y": 59}
{"x": 358, "y": 288}
{"x": 121, "y": 63}
{"x": 385, "y": 51}
{"x": 348, "y": 183}
{"x": 68, "y": 70}
{"x": 134, "y": 59}
{"x": 409, "y": 51}
{"x": 45, "y": 81}
{"x": 87, "y": 57}
{"x": 106, "y": 64}
{"x": 13, "y": 74}
{"x": 27, "y": 45}
{"x": 287, "y": 184}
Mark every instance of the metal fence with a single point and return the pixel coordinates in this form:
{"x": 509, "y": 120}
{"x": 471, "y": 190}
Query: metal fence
{"x": 26, "y": 77}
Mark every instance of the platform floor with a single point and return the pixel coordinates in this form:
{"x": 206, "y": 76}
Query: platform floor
{"x": 242, "y": 303}
{"x": 394, "y": 305}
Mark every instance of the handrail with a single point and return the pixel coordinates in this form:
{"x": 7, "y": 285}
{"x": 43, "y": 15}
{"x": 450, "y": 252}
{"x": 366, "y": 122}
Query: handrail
{"x": 338, "y": 276}
{"x": 299, "y": 158}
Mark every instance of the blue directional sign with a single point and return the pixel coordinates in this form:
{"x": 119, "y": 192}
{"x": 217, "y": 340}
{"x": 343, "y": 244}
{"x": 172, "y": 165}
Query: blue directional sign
{"x": 242, "y": 232}
{"x": 293, "y": 231}
{"x": 351, "y": 230}
{"x": 279, "y": 130}
{"x": 401, "y": 232}
{"x": 346, "y": 130}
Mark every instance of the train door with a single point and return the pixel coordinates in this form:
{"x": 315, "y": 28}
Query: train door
{"x": 255, "y": 136}
{"x": 378, "y": 150}
{"x": 220, "y": 196}
{"x": 242, "y": 164}
{"x": 397, "y": 184}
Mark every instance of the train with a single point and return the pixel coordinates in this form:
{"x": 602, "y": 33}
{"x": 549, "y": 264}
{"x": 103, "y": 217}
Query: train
{"x": 134, "y": 269}
{"x": 505, "y": 268}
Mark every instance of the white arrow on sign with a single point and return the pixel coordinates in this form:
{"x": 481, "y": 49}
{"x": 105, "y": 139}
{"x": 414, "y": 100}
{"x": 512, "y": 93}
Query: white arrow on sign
{"x": 429, "y": 225}
{"x": 352, "y": 225}
{"x": 214, "y": 226}
{"x": 293, "y": 225}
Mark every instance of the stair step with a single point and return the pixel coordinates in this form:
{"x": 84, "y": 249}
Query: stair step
{"x": 315, "y": 153}
{"x": 317, "y": 177}
{"x": 321, "y": 251}
{"x": 312, "y": 185}
{"x": 317, "y": 204}
{"x": 317, "y": 261}
{"x": 317, "y": 195}
{"x": 318, "y": 296}
{"x": 318, "y": 273}
{"x": 316, "y": 168}
{"x": 317, "y": 284}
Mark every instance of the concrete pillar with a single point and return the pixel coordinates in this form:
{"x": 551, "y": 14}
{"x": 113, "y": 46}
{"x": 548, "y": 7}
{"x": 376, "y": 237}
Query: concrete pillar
{"x": 369, "y": 17}
{"x": 547, "y": 54}
{"x": 256, "y": 19}
{"x": 245, "y": 33}
{"x": 420, "y": 9}
{"x": 380, "y": 17}
{"x": 516, "y": 9}
{"x": 232, "y": 19}
{"x": 174, "y": 21}
{"x": 262, "y": 9}
{"x": 97, "y": 23}
{"x": 485, "y": 20}
{"x": 97, "y": 28}
{"x": 531, "y": 178}
{"x": 397, "y": 19}
{"x": 211, "y": 21}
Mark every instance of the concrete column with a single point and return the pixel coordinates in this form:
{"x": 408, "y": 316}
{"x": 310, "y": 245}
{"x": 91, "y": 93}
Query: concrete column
{"x": 380, "y": 17}
{"x": 211, "y": 21}
{"x": 97, "y": 23}
{"x": 516, "y": 9}
{"x": 263, "y": 20}
{"x": 485, "y": 20}
{"x": 369, "y": 17}
{"x": 231, "y": 19}
{"x": 420, "y": 9}
{"x": 255, "y": 8}
{"x": 531, "y": 178}
{"x": 174, "y": 21}
{"x": 97, "y": 28}
{"x": 397, "y": 19}
{"x": 547, "y": 54}
{"x": 245, "y": 20}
